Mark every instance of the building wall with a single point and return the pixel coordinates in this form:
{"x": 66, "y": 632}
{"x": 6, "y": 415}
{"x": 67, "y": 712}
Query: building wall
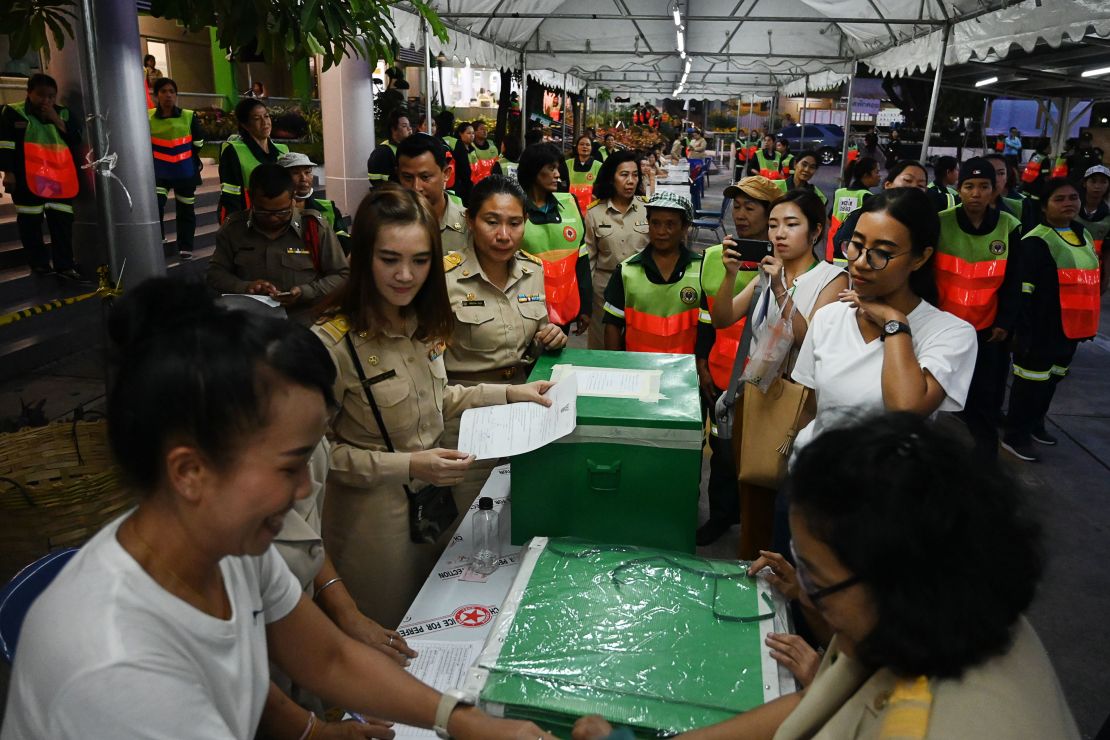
{"x": 189, "y": 60}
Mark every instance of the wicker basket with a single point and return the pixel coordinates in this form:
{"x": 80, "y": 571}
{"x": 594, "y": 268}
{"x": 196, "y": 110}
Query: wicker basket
{"x": 58, "y": 486}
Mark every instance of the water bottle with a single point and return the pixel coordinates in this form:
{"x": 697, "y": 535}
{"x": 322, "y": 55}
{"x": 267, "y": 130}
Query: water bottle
{"x": 483, "y": 561}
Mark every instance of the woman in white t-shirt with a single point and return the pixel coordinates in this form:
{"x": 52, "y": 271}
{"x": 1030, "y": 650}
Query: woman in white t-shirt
{"x": 884, "y": 344}
{"x": 162, "y": 625}
{"x": 796, "y": 276}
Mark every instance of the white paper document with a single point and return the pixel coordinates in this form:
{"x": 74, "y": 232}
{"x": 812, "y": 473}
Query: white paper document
{"x": 442, "y": 665}
{"x": 515, "y": 428}
{"x": 611, "y": 382}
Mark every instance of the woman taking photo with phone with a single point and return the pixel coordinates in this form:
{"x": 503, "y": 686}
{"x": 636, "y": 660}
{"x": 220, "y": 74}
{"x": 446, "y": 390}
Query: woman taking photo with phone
{"x": 386, "y": 331}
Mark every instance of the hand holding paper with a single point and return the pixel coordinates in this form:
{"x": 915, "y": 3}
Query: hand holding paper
{"x": 516, "y": 428}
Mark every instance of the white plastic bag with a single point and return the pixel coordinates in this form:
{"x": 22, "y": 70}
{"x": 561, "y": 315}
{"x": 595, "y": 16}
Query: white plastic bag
{"x": 772, "y": 340}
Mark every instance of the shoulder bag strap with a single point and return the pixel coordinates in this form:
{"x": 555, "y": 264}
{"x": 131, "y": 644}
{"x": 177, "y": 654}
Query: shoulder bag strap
{"x": 369, "y": 393}
{"x": 733, "y": 389}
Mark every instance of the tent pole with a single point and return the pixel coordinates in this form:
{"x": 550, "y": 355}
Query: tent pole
{"x": 848, "y": 118}
{"x": 427, "y": 76}
{"x": 805, "y": 104}
{"x": 1064, "y": 127}
{"x": 523, "y": 98}
{"x": 563, "y": 132}
{"x": 936, "y": 93}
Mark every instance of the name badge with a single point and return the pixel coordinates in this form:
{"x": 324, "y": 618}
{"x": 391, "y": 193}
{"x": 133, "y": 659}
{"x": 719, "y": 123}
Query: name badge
{"x": 297, "y": 250}
{"x": 474, "y": 303}
{"x": 383, "y": 376}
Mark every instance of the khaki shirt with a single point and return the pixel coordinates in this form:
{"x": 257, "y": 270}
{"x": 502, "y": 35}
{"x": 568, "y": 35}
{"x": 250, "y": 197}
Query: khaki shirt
{"x": 454, "y": 233}
{"x": 409, "y": 382}
{"x": 300, "y": 542}
{"x": 1015, "y": 696}
{"x": 612, "y": 236}
{"x": 494, "y": 328}
{"x": 244, "y": 255}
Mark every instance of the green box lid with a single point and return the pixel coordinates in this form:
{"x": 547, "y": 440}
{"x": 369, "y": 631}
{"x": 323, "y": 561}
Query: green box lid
{"x": 679, "y": 405}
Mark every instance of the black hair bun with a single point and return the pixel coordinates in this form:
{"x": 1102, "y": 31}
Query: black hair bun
{"x": 158, "y": 306}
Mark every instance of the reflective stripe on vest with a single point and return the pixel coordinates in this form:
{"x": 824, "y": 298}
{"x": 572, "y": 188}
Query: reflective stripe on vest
{"x": 1060, "y": 169}
{"x": 582, "y": 183}
{"x": 559, "y": 246}
{"x": 726, "y": 344}
{"x": 47, "y": 160}
{"x": 450, "y": 142}
{"x": 660, "y": 318}
{"x": 1077, "y": 269}
{"x": 171, "y": 140}
{"x": 771, "y": 168}
{"x": 247, "y": 162}
{"x": 970, "y": 268}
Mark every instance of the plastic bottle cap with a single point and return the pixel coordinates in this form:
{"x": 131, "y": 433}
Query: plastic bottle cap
{"x": 485, "y": 504}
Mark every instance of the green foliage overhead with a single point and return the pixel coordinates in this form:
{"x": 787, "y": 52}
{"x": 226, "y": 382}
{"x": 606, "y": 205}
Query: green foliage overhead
{"x": 282, "y": 30}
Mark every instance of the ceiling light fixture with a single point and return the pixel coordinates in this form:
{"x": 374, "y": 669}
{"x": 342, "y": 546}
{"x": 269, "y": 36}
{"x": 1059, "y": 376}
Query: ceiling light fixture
{"x": 988, "y": 81}
{"x": 1096, "y": 72}
{"x": 677, "y": 16}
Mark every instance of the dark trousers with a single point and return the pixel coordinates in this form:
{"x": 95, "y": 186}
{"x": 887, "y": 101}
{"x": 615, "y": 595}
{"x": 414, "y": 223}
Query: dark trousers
{"x": 59, "y": 217}
{"x": 724, "y": 494}
{"x": 984, "y": 396}
{"x": 184, "y": 194}
{"x": 1037, "y": 372}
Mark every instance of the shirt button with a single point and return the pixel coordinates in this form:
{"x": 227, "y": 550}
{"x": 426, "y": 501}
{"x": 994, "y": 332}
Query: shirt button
{"x": 424, "y": 427}
{"x": 420, "y": 394}
{"x": 881, "y": 700}
{"x": 408, "y": 359}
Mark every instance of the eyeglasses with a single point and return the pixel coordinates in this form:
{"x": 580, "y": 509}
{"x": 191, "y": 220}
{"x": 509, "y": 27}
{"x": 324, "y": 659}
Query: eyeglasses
{"x": 816, "y": 594}
{"x": 876, "y": 259}
{"x": 283, "y": 213}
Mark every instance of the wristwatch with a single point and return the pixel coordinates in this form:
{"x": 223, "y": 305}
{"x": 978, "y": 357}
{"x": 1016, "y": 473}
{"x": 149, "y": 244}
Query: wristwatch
{"x": 892, "y": 327}
{"x": 451, "y": 699}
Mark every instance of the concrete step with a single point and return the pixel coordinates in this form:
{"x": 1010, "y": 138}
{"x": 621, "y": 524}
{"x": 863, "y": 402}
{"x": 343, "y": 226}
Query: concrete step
{"x": 45, "y": 337}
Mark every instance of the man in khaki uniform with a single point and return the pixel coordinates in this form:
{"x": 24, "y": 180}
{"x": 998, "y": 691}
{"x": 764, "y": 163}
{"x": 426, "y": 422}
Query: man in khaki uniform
{"x": 273, "y": 250}
{"x": 616, "y": 229}
{"x": 495, "y": 330}
{"x": 423, "y": 166}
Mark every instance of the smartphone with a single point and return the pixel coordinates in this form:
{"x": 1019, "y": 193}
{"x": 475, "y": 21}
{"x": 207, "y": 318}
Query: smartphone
{"x": 752, "y": 250}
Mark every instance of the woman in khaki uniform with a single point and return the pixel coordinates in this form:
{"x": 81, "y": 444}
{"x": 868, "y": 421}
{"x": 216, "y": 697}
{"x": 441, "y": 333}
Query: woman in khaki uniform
{"x": 921, "y": 561}
{"x": 496, "y": 293}
{"x": 394, "y": 312}
{"x": 616, "y": 228}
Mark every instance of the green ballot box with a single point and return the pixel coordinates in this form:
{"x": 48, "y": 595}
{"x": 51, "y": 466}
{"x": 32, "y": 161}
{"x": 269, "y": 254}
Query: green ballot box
{"x": 654, "y": 640}
{"x": 629, "y": 473}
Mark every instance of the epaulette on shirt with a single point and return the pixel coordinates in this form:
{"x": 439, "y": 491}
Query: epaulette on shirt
{"x": 521, "y": 254}
{"x": 336, "y": 327}
{"x": 593, "y": 203}
{"x": 451, "y": 260}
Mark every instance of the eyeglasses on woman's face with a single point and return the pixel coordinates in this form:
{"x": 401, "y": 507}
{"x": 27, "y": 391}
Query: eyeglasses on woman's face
{"x": 876, "y": 259}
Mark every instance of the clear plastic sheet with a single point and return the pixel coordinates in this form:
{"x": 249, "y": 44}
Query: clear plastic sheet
{"x": 660, "y": 641}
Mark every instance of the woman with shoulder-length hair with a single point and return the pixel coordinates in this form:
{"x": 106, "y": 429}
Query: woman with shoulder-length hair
{"x": 386, "y": 331}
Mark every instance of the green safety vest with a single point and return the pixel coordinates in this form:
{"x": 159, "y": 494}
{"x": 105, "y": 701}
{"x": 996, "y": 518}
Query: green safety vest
{"x": 47, "y": 161}
{"x": 788, "y": 163}
{"x": 727, "y": 343}
{"x": 508, "y": 167}
{"x": 1013, "y": 205}
{"x": 1077, "y": 270}
{"x": 603, "y": 152}
{"x": 559, "y": 246}
{"x": 247, "y": 163}
{"x": 582, "y": 183}
{"x": 770, "y": 168}
{"x": 784, "y": 184}
{"x": 660, "y": 318}
{"x": 171, "y": 140}
{"x": 970, "y": 268}
{"x": 949, "y": 194}
{"x": 327, "y": 208}
{"x": 1098, "y": 230}
{"x": 845, "y": 200}
{"x": 482, "y": 161}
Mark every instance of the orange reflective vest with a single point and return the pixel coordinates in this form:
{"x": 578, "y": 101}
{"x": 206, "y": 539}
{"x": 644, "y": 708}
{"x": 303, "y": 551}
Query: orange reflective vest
{"x": 171, "y": 140}
{"x": 660, "y": 318}
{"x": 722, "y": 355}
{"x": 559, "y": 245}
{"x": 970, "y": 268}
{"x": 1032, "y": 169}
{"x": 1060, "y": 169}
{"x": 482, "y": 161}
{"x": 582, "y": 183}
{"x": 449, "y": 142}
{"x": 47, "y": 160}
{"x": 1077, "y": 270}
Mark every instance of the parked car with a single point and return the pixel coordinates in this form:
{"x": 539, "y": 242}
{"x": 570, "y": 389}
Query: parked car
{"x": 827, "y": 139}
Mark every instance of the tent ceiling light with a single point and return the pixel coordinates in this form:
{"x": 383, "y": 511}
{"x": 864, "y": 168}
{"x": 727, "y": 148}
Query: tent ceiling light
{"x": 988, "y": 81}
{"x": 677, "y": 16}
{"x": 1095, "y": 72}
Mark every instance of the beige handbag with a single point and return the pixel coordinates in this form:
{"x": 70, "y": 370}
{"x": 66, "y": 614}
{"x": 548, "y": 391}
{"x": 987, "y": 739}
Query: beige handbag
{"x": 770, "y": 423}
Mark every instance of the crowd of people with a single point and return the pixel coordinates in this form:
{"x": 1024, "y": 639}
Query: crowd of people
{"x": 315, "y": 419}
